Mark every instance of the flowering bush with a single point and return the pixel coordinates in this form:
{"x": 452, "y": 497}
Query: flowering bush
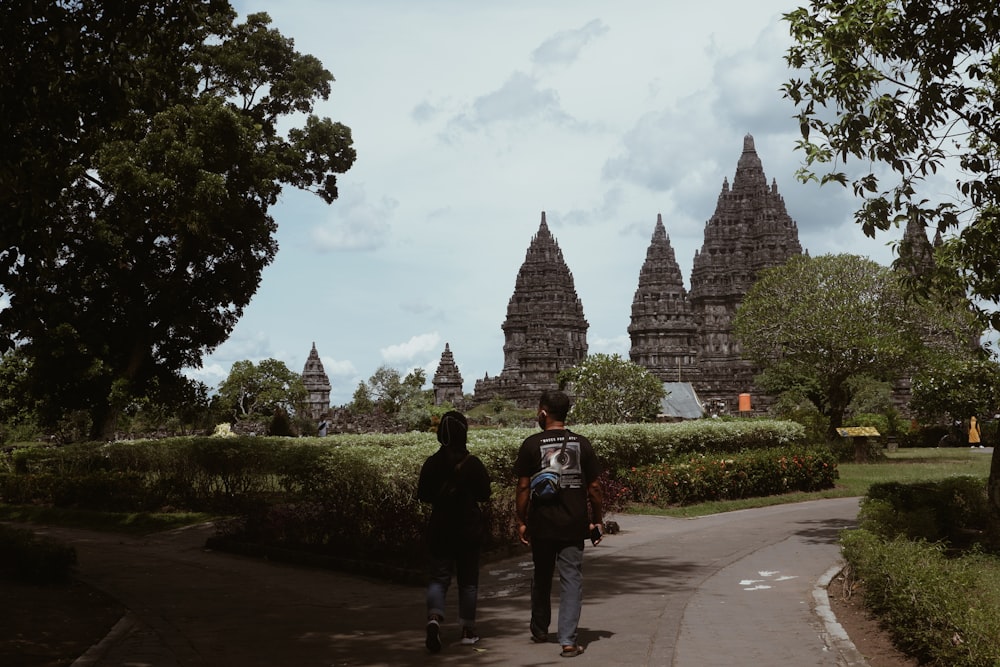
{"x": 223, "y": 430}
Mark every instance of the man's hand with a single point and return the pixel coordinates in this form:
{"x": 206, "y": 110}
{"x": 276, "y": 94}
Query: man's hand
{"x": 522, "y": 534}
{"x": 596, "y": 533}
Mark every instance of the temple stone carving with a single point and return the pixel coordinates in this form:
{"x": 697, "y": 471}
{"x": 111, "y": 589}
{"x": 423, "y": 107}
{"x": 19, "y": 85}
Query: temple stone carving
{"x": 447, "y": 381}
{"x": 663, "y": 331}
{"x": 317, "y": 385}
{"x": 679, "y": 335}
{"x": 545, "y": 331}
{"x": 750, "y": 231}
{"x": 687, "y": 337}
{"x": 916, "y": 254}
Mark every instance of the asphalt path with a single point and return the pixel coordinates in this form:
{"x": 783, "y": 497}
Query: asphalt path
{"x": 740, "y": 588}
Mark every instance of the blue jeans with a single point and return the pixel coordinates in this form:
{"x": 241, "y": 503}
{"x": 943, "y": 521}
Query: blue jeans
{"x": 547, "y": 555}
{"x": 465, "y": 561}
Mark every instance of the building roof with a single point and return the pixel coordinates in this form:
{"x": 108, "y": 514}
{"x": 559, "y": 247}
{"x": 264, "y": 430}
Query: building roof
{"x": 681, "y": 402}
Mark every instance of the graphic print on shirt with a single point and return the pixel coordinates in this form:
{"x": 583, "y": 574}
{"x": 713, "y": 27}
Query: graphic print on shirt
{"x": 567, "y": 462}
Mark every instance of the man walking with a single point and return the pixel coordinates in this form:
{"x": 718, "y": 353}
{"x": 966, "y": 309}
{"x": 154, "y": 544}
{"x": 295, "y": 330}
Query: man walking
{"x": 556, "y": 527}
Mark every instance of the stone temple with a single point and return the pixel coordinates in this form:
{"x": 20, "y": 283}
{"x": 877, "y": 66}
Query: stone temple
{"x": 317, "y": 385}
{"x": 535, "y": 349}
{"x": 687, "y": 337}
{"x": 679, "y": 335}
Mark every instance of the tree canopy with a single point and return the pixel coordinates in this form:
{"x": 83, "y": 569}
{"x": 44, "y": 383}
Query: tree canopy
{"x": 956, "y": 389}
{"x": 394, "y": 401}
{"x": 908, "y": 90}
{"x": 817, "y": 325}
{"x": 610, "y": 390}
{"x": 262, "y": 389}
{"x": 146, "y": 146}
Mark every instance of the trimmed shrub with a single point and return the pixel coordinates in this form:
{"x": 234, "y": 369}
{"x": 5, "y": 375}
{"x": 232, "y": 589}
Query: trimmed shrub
{"x": 693, "y": 479}
{"x": 943, "y": 611}
{"x": 953, "y": 511}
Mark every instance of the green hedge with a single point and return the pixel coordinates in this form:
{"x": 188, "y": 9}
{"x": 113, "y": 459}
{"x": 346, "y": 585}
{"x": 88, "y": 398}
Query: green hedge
{"x": 943, "y": 611}
{"x": 952, "y": 510}
{"x": 338, "y": 493}
{"x": 700, "y": 478}
{"x": 928, "y": 561}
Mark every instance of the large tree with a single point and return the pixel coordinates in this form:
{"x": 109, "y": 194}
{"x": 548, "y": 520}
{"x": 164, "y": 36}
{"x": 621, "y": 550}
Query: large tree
{"x": 261, "y": 390}
{"x": 146, "y": 144}
{"x": 951, "y": 389}
{"x": 818, "y": 325}
{"x": 908, "y": 89}
{"x": 395, "y": 402}
{"x": 611, "y": 390}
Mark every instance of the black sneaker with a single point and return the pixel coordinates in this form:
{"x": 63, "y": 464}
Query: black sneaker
{"x": 433, "y": 642}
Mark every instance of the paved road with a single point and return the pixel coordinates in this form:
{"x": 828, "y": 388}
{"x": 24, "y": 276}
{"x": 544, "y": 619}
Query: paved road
{"x": 741, "y": 588}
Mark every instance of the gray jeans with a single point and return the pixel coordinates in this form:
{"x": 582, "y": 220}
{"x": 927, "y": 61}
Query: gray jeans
{"x": 567, "y": 557}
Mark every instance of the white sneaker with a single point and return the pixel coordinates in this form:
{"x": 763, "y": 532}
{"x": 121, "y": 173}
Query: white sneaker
{"x": 469, "y": 637}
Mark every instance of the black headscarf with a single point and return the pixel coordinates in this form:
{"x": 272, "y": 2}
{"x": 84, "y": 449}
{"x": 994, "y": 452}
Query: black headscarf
{"x": 453, "y": 431}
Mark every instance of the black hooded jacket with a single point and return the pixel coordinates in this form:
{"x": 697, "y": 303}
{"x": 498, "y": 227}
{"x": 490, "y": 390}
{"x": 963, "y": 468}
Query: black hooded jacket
{"x": 454, "y": 494}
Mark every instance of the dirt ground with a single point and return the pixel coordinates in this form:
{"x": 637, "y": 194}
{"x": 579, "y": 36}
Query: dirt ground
{"x": 51, "y": 626}
{"x": 872, "y": 641}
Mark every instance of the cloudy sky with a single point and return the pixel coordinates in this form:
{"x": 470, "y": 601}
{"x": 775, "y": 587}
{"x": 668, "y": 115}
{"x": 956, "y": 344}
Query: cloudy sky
{"x": 471, "y": 118}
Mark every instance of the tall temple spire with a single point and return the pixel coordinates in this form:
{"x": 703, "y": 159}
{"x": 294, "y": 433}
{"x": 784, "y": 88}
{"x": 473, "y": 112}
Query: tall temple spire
{"x": 317, "y": 385}
{"x": 662, "y": 328}
{"x": 749, "y": 177}
{"x": 915, "y": 250}
{"x": 545, "y": 330}
{"x": 447, "y": 381}
{"x": 750, "y": 231}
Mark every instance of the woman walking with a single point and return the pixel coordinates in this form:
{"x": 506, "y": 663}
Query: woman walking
{"x": 454, "y": 482}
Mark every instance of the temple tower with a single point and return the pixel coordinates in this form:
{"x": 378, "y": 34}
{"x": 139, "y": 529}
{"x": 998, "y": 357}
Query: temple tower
{"x": 545, "y": 330}
{"x": 662, "y": 328}
{"x": 317, "y": 385}
{"x": 447, "y": 381}
{"x": 915, "y": 250}
{"x": 750, "y": 231}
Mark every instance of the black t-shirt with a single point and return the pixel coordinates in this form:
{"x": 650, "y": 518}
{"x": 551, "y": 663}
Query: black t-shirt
{"x": 565, "y": 518}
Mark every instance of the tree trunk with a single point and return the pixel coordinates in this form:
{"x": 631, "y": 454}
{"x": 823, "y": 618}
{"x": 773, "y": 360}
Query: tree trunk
{"x": 102, "y": 423}
{"x": 837, "y": 400}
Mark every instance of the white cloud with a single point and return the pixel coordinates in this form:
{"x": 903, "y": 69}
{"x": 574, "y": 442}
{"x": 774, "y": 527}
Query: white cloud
{"x": 424, "y": 112}
{"x": 417, "y": 346}
{"x": 564, "y": 47}
{"x": 618, "y": 345}
{"x": 354, "y": 223}
{"x": 337, "y": 368}
{"x": 211, "y": 375}
{"x": 520, "y": 98}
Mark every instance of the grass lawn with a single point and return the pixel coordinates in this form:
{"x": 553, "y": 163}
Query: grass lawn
{"x": 904, "y": 465}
